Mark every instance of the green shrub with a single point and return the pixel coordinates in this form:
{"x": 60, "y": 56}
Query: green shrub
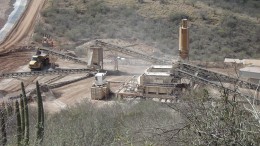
{"x": 249, "y": 7}
{"x": 204, "y": 15}
{"x": 176, "y": 17}
{"x": 223, "y": 32}
{"x": 102, "y": 21}
{"x": 97, "y": 7}
{"x": 229, "y": 21}
{"x": 115, "y": 124}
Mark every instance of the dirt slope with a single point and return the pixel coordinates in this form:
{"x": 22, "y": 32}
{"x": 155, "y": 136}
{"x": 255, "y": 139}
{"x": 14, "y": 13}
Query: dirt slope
{"x": 5, "y": 9}
{"x": 24, "y": 26}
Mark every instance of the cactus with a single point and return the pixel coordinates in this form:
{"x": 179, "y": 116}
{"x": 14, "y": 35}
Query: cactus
{"x": 9, "y": 109}
{"x": 22, "y": 116}
{"x": 26, "y": 116}
{"x": 3, "y": 124}
{"x": 40, "y": 122}
{"x": 19, "y": 124}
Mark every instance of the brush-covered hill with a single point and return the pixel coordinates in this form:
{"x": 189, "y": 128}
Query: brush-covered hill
{"x": 218, "y": 28}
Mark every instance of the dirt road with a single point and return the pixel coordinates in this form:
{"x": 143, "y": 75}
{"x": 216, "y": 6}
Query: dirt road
{"x": 23, "y": 27}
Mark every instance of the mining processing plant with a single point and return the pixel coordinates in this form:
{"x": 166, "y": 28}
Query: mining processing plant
{"x": 168, "y": 82}
{"x": 165, "y": 80}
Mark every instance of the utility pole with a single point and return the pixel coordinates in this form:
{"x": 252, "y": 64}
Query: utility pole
{"x": 116, "y": 63}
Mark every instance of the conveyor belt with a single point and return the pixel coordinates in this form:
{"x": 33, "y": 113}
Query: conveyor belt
{"x": 53, "y": 86}
{"x": 43, "y": 73}
{"x": 130, "y": 52}
{"x": 63, "y": 56}
{"x": 60, "y": 84}
{"x": 192, "y": 69}
{"x": 214, "y": 76}
{"x": 174, "y": 85}
{"x": 185, "y": 69}
{"x": 208, "y": 82}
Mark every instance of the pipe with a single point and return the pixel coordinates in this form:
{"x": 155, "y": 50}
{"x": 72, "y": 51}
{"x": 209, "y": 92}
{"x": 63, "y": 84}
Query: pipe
{"x": 184, "y": 40}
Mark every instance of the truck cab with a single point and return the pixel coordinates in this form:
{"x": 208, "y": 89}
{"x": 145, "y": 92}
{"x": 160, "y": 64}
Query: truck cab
{"x": 39, "y": 61}
{"x": 100, "y": 79}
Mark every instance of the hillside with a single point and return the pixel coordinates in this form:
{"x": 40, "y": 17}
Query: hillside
{"x": 198, "y": 106}
{"x": 218, "y": 29}
{"x": 4, "y": 10}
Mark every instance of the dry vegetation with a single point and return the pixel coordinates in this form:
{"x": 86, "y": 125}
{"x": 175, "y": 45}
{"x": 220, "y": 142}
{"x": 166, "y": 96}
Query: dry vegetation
{"x": 197, "y": 120}
{"x": 218, "y": 28}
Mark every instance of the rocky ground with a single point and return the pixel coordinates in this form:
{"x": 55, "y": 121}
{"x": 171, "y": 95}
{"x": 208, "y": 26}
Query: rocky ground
{"x": 5, "y": 9}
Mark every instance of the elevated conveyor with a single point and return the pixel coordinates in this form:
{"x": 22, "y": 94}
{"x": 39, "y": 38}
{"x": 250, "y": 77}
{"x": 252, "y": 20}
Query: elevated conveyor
{"x": 45, "y": 73}
{"x": 130, "y": 52}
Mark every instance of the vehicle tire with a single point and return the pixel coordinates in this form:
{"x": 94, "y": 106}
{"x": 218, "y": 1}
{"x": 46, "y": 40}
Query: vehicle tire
{"x": 41, "y": 67}
{"x": 47, "y": 61}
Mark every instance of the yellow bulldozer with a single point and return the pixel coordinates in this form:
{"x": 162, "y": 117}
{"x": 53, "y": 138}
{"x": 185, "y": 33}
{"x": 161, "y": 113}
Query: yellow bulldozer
{"x": 39, "y": 61}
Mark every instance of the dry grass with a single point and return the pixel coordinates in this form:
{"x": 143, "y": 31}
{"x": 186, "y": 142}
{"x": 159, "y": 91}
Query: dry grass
{"x": 216, "y": 31}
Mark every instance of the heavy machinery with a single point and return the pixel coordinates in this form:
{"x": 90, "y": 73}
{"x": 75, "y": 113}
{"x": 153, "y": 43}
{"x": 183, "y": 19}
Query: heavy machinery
{"x": 39, "y": 61}
{"x": 47, "y": 41}
{"x": 100, "y": 88}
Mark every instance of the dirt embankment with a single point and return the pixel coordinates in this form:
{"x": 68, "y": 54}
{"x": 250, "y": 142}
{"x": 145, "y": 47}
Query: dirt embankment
{"x": 11, "y": 62}
{"x": 5, "y": 10}
{"x": 24, "y": 27}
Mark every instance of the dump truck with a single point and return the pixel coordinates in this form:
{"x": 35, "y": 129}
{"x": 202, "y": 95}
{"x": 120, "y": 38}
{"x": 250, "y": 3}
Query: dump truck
{"x": 39, "y": 61}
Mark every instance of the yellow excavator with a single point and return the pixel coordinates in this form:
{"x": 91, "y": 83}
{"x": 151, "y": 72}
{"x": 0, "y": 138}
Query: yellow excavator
{"x": 39, "y": 61}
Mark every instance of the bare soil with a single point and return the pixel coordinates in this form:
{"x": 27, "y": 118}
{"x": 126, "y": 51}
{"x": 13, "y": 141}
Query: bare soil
{"x": 5, "y": 9}
{"x": 13, "y": 61}
{"x": 65, "y": 96}
{"x": 24, "y": 27}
